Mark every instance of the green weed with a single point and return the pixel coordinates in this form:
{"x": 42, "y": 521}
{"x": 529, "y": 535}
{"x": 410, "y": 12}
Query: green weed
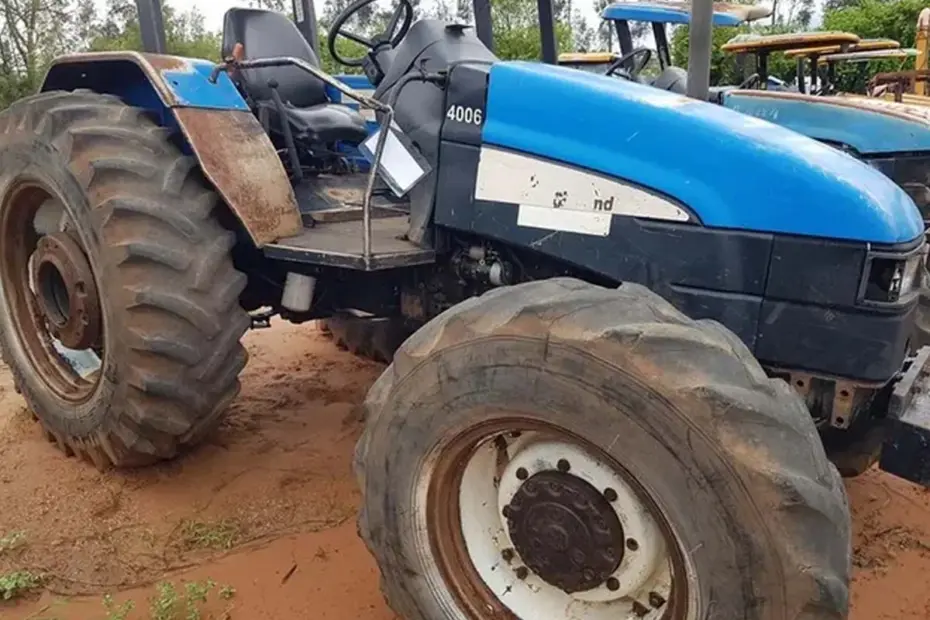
{"x": 11, "y": 541}
{"x": 117, "y": 612}
{"x": 18, "y": 583}
{"x": 220, "y": 535}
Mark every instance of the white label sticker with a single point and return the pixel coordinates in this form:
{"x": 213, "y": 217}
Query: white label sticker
{"x": 505, "y": 176}
{"x": 564, "y": 220}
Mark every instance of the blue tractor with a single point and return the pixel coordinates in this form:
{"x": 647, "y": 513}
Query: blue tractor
{"x": 624, "y": 363}
{"x": 891, "y": 137}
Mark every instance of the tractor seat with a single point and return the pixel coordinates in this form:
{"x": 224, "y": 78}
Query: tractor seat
{"x": 321, "y": 124}
{"x": 672, "y": 79}
{"x": 269, "y": 34}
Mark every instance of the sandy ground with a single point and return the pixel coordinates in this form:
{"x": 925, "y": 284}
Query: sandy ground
{"x": 266, "y": 510}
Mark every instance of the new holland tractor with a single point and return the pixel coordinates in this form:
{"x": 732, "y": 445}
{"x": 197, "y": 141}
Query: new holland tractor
{"x": 891, "y": 137}
{"x": 630, "y": 361}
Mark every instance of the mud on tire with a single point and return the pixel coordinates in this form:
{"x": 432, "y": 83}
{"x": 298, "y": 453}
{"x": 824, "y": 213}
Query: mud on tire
{"x": 167, "y": 286}
{"x": 730, "y": 455}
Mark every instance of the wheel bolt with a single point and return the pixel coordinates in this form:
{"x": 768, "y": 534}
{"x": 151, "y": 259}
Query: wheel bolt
{"x": 639, "y": 609}
{"x": 588, "y": 574}
{"x": 612, "y": 584}
{"x": 656, "y": 600}
{"x": 522, "y": 474}
{"x": 563, "y": 465}
{"x": 631, "y": 543}
{"x": 610, "y": 495}
{"x": 522, "y": 572}
{"x": 507, "y": 511}
{"x": 507, "y": 554}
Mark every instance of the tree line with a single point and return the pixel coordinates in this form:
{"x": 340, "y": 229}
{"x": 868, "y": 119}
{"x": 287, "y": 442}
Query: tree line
{"x": 33, "y": 32}
{"x": 889, "y": 19}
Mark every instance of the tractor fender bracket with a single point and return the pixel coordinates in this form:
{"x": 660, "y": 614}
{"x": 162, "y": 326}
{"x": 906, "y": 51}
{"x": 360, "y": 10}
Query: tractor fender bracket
{"x": 233, "y": 150}
{"x": 906, "y": 449}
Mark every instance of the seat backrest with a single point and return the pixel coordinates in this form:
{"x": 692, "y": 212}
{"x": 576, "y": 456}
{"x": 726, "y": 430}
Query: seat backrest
{"x": 672, "y": 79}
{"x": 267, "y": 34}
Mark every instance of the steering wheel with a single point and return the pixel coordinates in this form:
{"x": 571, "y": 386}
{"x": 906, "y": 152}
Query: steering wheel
{"x": 637, "y": 59}
{"x": 396, "y": 29}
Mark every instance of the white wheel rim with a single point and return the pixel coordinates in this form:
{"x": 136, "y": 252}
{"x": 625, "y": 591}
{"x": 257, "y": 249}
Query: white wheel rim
{"x": 641, "y": 587}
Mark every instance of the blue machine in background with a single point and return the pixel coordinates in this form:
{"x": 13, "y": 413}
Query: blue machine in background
{"x": 893, "y": 138}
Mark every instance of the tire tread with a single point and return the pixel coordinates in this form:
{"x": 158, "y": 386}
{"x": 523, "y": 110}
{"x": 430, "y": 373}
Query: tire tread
{"x": 179, "y": 378}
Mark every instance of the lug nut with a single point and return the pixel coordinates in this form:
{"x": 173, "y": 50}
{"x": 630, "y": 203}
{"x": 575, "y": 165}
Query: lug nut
{"x": 563, "y": 465}
{"x": 507, "y": 511}
{"x": 507, "y": 554}
{"x": 656, "y": 600}
{"x": 610, "y": 495}
{"x": 522, "y": 573}
{"x": 612, "y": 584}
{"x": 631, "y": 543}
{"x": 639, "y": 609}
{"x": 522, "y": 474}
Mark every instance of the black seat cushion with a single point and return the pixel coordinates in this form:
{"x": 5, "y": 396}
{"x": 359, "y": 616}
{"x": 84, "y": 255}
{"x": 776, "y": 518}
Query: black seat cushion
{"x": 268, "y": 34}
{"x": 328, "y": 122}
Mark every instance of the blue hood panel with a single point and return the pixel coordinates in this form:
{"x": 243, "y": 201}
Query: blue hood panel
{"x": 734, "y": 171}
{"x": 871, "y": 126}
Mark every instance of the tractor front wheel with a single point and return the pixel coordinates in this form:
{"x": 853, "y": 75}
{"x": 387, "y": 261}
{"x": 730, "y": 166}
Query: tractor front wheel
{"x": 557, "y": 450}
{"x": 119, "y": 303}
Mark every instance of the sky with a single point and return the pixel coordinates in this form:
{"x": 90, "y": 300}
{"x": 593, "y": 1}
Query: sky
{"x": 213, "y": 10}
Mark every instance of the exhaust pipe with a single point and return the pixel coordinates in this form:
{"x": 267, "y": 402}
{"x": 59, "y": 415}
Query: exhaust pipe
{"x": 700, "y": 43}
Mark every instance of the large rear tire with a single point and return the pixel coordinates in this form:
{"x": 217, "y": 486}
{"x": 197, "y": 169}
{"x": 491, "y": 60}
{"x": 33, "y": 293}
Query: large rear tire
{"x": 521, "y": 444}
{"x": 134, "y": 270}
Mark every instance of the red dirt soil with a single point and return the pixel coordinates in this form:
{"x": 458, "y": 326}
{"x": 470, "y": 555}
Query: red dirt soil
{"x": 267, "y": 506}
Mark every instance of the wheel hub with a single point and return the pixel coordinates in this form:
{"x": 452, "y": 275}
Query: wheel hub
{"x": 565, "y": 531}
{"x": 65, "y": 289}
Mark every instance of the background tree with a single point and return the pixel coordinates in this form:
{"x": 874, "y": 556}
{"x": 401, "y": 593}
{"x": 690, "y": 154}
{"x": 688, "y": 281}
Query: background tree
{"x": 33, "y": 32}
{"x": 873, "y": 19}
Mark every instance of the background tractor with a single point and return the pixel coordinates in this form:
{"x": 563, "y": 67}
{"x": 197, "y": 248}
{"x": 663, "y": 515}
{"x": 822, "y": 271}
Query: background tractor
{"x": 622, "y": 384}
{"x": 817, "y": 65}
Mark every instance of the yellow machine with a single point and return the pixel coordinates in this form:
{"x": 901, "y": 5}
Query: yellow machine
{"x": 923, "y": 29}
{"x": 817, "y": 66}
{"x": 592, "y": 62}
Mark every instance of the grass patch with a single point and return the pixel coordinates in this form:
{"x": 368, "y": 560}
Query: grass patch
{"x": 117, "y": 612}
{"x": 12, "y": 540}
{"x": 170, "y": 603}
{"x": 220, "y": 535}
{"x": 17, "y": 584}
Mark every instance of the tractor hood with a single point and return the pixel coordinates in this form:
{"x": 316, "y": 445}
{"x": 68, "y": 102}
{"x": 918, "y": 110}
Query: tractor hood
{"x": 731, "y": 170}
{"x": 869, "y": 125}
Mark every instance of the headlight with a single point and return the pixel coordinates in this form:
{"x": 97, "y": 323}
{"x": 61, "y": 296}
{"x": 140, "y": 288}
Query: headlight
{"x": 891, "y": 279}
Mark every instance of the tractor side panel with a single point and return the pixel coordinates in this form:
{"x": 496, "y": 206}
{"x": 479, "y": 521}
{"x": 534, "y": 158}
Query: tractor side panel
{"x": 732, "y": 170}
{"x": 233, "y": 150}
{"x": 776, "y": 292}
{"x": 870, "y": 126}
